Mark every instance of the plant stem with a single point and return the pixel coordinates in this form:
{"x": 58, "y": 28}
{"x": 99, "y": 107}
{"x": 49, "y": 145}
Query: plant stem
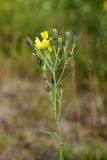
{"x": 54, "y": 97}
{"x": 61, "y": 74}
{"x": 57, "y": 121}
{"x": 60, "y": 143}
{"x": 57, "y": 117}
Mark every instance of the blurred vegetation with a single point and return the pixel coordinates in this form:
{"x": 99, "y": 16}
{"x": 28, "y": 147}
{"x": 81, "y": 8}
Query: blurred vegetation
{"x": 87, "y": 19}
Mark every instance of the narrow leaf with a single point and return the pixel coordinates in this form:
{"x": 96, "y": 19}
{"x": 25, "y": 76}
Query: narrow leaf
{"x": 47, "y": 132}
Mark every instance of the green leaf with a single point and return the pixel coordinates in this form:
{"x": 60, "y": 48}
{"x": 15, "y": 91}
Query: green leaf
{"x": 47, "y": 132}
{"x": 55, "y": 134}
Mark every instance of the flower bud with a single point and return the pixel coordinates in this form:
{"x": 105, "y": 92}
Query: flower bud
{"x": 54, "y": 34}
{"x": 30, "y": 43}
{"x": 66, "y": 39}
{"x": 74, "y": 39}
{"x": 54, "y": 38}
{"x": 59, "y": 43}
{"x": 67, "y": 35}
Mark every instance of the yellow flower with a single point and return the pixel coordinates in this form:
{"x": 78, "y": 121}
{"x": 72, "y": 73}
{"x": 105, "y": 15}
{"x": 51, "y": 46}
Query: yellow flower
{"x": 105, "y": 5}
{"x": 44, "y": 35}
{"x": 37, "y": 43}
{"x": 45, "y": 42}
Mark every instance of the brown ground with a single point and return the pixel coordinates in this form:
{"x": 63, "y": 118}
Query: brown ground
{"x": 24, "y": 105}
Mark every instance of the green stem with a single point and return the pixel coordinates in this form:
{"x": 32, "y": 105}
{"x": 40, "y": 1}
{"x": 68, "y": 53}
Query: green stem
{"x": 57, "y": 120}
{"x": 59, "y": 111}
{"x": 73, "y": 48}
{"x": 54, "y": 97}
{"x": 57, "y": 115}
{"x": 61, "y": 74}
{"x": 60, "y": 144}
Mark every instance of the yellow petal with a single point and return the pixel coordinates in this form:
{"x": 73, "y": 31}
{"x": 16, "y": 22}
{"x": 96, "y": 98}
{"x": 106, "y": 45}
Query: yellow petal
{"x": 37, "y": 43}
{"x": 45, "y": 44}
{"x": 50, "y": 49}
{"x": 44, "y": 35}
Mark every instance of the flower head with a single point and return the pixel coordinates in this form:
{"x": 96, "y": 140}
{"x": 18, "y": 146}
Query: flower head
{"x": 44, "y": 35}
{"x": 45, "y": 43}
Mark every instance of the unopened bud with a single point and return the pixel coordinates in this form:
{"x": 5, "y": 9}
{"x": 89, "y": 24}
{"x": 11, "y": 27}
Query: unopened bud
{"x": 59, "y": 43}
{"x": 54, "y": 38}
{"x": 30, "y": 43}
{"x": 74, "y": 39}
{"x": 66, "y": 38}
{"x": 67, "y": 35}
{"x": 54, "y": 33}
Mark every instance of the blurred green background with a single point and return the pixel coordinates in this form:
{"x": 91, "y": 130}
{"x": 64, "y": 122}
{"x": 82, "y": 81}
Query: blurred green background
{"x": 22, "y": 98}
